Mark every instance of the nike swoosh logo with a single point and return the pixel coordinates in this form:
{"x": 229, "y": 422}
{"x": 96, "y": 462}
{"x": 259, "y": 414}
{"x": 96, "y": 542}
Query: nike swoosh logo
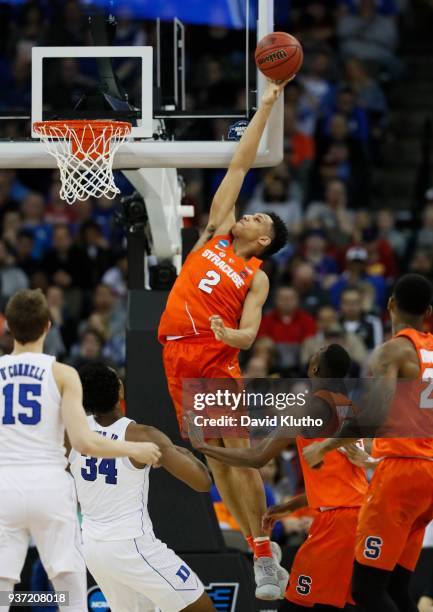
{"x": 230, "y": 367}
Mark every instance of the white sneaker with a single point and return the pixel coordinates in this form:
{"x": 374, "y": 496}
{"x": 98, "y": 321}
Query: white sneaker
{"x": 267, "y": 582}
{"x": 282, "y": 574}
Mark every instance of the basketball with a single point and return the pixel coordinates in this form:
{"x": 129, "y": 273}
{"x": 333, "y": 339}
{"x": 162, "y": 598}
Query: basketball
{"x": 279, "y": 56}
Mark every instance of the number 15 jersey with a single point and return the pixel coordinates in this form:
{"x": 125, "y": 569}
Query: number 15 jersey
{"x": 213, "y": 281}
{"x": 31, "y": 426}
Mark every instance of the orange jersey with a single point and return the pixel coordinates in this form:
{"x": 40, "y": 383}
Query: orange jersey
{"x": 417, "y": 406}
{"x": 213, "y": 280}
{"x": 338, "y": 483}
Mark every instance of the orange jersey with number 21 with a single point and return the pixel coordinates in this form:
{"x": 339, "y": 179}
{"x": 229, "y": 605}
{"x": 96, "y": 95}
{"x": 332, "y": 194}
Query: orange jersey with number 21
{"x": 213, "y": 281}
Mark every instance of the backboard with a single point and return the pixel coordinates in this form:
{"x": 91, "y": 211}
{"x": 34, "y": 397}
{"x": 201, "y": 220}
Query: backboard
{"x": 202, "y": 80}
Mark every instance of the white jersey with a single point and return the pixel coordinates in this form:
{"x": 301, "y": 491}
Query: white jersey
{"x": 112, "y": 492}
{"x": 31, "y": 426}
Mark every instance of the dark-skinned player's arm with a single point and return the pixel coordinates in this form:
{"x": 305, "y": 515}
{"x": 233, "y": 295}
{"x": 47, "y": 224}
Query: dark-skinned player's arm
{"x": 82, "y": 439}
{"x": 259, "y": 455}
{"x": 384, "y": 367}
{"x": 244, "y": 336}
{"x": 180, "y": 462}
{"x": 222, "y": 210}
{"x": 279, "y": 511}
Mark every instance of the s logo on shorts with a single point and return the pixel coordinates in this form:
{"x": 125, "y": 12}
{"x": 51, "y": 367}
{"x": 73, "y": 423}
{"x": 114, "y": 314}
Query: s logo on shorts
{"x": 373, "y": 547}
{"x": 304, "y": 585}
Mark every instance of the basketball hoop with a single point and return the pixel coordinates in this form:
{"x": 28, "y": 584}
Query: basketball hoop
{"x": 84, "y": 151}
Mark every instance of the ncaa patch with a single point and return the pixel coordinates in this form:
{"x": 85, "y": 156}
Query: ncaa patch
{"x": 223, "y": 595}
{"x": 223, "y": 244}
{"x": 96, "y": 601}
{"x": 236, "y": 131}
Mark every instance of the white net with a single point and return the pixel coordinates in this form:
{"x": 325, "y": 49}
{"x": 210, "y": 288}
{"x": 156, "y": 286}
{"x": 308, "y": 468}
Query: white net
{"x": 84, "y": 151}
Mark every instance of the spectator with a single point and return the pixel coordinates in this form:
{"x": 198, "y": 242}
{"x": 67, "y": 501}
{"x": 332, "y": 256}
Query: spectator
{"x": 368, "y": 92}
{"x": 332, "y": 214}
{"x": 107, "y": 316}
{"x": 422, "y": 263}
{"x": 33, "y": 210}
{"x": 386, "y": 229}
{"x": 7, "y": 202}
{"x": 357, "y": 119}
{"x": 329, "y": 331}
{"x": 355, "y": 275}
{"x": 54, "y": 344}
{"x": 311, "y": 295}
{"x": 256, "y": 367}
{"x": 12, "y": 278}
{"x": 94, "y": 246}
{"x": 314, "y": 251}
{"x": 23, "y": 250}
{"x": 368, "y": 36}
{"x": 264, "y": 348}
{"x": 274, "y": 195}
{"x": 424, "y": 235}
{"x": 299, "y": 147}
{"x": 116, "y": 277}
{"x": 65, "y": 263}
{"x": 366, "y": 326}
{"x": 89, "y": 348}
{"x": 288, "y": 326}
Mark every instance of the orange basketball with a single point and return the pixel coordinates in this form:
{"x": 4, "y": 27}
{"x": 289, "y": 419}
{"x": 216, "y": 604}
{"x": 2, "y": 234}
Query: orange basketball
{"x": 279, "y": 56}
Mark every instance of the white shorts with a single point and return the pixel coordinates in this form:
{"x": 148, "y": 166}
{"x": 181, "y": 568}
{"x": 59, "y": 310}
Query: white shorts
{"x": 140, "y": 575}
{"x": 39, "y": 503}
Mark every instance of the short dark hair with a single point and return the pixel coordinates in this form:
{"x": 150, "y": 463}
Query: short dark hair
{"x": 101, "y": 387}
{"x": 413, "y": 294}
{"x": 27, "y": 315}
{"x": 334, "y": 362}
{"x": 280, "y": 237}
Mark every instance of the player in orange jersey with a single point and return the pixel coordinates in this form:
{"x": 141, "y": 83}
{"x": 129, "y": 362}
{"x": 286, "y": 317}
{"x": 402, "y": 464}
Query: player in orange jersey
{"x": 399, "y": 502}
{"x": 214, "y": 310}
{"x": 336, "y": 492}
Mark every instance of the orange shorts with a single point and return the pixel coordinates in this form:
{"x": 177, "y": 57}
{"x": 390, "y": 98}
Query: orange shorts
{"x": 323, "y": 566}
{"x": 396, "y": 510}
{"x": 196, "y": 358}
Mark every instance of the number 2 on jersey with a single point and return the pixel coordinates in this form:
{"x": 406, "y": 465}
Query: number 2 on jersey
{"x": 211, "y": 279}
{"x": 26, "y": 399}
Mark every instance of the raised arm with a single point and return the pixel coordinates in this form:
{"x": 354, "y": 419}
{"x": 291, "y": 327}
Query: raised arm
{"x": 244, "y": 337}
{"x": 180, "y": 462}
{"x": 81, "y": 438}
{"x": 222, "y": 211}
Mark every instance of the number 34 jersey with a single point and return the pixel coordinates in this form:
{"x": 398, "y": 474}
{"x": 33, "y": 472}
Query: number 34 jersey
{"x": 213, "y": 281}
{"x": 31, "y": 426}
{"x": 112, "y": 492}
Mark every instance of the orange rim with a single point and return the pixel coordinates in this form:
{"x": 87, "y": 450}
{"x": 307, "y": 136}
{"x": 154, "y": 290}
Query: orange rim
{"x": 80, "y": 125}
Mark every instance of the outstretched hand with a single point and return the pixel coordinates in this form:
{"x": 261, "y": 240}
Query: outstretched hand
{"x": 273, "y": 90}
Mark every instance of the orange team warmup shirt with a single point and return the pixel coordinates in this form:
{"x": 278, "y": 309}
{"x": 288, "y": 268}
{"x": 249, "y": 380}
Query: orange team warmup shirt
{"x": 336, "y": 491}
{"x": 412, "y": 408}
